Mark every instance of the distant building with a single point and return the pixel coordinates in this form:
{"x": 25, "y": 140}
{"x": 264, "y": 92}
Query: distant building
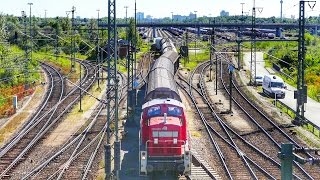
{"x": 149, "y": 17}
{"x": 224, "y": 13}
{"x": 192, "y": 16}
{"x": 140, "y": 16}
{"x": 179, "y": 17}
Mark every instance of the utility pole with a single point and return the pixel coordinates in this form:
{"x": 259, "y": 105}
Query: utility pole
{"x": 211, "y": 51}
{"x": 74, "y": 59}
{"x": 112, "y": 96}
{"x": 102, "y": 57}
{"x": 301, "y": 93}
{"x": 129, "y": 63}
{"x": 214, "y": 52}
{"x": 24, "y": 17}
{"x": 253, "y": 45}
{"x": 31, "y": 43}
{"x": 73, "y": 44}
{"x": 56, "y": 44}
{"x": 45, "y": 15}
{"x": 281, "y": 2}
{"x": 239, "y": 48}
{"x": 231, "y": 69}
{"x": 135, "y": 42}
{"x": 253, "y": 63}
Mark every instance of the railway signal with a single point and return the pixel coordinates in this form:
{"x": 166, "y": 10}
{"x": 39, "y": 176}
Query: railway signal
{"x": 287, "y": 156}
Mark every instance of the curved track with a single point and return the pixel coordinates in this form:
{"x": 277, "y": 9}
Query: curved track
{"x": 46, "y": 120}
{"x": 266, "y": 129}
{"x": 74, "y": 160}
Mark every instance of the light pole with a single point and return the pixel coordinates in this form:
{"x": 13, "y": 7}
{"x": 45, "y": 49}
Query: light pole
{"x": 126, "y": 7}
{"x": 242, "y": 11}
{"x": 98, "y": 51}
{"x": 24, "y": 16}
{"x": 45, "y": 15}
{"x": 30, "y": 19}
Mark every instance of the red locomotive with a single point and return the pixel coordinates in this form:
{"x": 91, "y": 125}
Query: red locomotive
{"x": 164, "y": 139}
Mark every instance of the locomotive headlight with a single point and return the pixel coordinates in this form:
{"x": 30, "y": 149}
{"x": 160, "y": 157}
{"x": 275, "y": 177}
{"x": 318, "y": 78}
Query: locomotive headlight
{"x": 175, "y": 141}
{"x": 156, "y": 141}
{"x": 143, "y": 155}
{"x": 186, "y": 156}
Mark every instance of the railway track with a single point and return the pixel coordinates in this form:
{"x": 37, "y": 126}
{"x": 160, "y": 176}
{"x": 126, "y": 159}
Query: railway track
{"x": 75, "y": 159}
{"x": 231, "y": 162}
{"x": 15, "y": 152}
{"x": 266, "y": 129}
{"x": 251, "y": 157}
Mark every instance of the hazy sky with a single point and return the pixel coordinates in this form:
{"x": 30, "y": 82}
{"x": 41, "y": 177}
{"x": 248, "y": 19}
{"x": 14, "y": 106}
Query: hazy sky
{"x": 87, "y": 8}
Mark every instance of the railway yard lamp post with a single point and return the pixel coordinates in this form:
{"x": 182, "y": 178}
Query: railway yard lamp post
{"x": 242, "y": 17}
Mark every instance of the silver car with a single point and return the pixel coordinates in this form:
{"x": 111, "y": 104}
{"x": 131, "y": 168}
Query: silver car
{"x": 259, "y": 80}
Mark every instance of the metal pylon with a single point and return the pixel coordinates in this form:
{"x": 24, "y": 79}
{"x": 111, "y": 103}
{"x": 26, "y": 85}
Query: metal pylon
{"x": 301, "y": 93}
{"x": 112, "y": 97}
{"x": 130, "y": 59}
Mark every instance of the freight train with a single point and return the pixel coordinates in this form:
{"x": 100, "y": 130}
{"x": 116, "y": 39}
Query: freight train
{"x": 164, "y": 139}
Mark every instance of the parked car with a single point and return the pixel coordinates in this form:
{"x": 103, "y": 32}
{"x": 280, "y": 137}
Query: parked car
{"x": 259, "y": 80}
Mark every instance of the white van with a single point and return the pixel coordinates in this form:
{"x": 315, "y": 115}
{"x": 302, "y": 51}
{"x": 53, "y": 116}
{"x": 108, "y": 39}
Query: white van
{"x": 273, "y": 86}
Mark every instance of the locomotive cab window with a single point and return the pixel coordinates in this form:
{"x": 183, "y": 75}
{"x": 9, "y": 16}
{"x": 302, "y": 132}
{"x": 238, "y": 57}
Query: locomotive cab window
{"x": 174, "y": 111}
{"x": 153, "y": 111}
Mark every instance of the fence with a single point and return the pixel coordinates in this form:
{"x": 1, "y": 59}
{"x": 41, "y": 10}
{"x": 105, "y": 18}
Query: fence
{"x": 309, "y": 125}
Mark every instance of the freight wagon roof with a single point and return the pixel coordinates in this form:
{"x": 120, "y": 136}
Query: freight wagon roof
{"x": 162, "y": 75}
{"x": 161, "y": 83}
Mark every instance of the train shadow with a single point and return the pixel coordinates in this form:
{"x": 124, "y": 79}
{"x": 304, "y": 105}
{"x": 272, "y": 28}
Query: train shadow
{"x": 130, "y": 143}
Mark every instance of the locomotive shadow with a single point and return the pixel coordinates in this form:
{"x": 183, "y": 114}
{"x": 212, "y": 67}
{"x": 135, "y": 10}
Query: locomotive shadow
{"x": 130, "y": 143}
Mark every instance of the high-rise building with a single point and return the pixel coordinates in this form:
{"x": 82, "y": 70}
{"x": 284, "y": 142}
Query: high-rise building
{"x": 192, "y": 16}
{"x": 140, "y": 16}
{"x": 179, "y": 17}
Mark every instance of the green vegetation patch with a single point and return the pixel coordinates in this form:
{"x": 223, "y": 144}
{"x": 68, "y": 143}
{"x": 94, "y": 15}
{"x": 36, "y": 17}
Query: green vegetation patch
{"x": 285, "y": 55}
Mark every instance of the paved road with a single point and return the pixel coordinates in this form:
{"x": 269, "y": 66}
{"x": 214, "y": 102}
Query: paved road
{"x": 312, "y": 107}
